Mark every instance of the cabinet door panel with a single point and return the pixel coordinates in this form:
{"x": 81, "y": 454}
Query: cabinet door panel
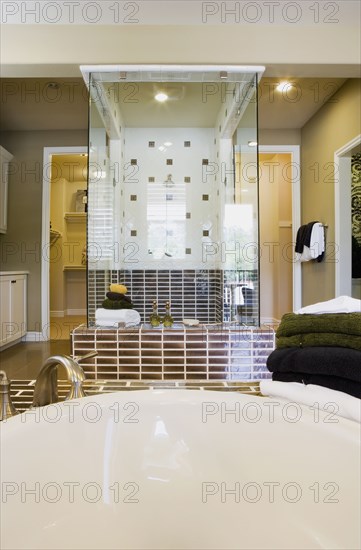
{"x": 5, "y": 311}
{"x": 18, "y": 307}
{"x": 13, "y": 308}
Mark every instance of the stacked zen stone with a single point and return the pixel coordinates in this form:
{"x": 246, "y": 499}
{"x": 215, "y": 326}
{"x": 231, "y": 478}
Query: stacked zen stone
{"x": 116, "y": 298}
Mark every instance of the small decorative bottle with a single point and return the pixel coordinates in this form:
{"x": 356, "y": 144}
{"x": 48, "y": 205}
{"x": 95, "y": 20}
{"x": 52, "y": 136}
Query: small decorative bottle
{"x": 155, "y": 319}
{"x": 167, "y": 319}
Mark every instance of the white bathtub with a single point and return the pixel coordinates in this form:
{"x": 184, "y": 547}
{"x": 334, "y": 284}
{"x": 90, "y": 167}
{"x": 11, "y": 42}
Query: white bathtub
{"x": 177, "y": 469}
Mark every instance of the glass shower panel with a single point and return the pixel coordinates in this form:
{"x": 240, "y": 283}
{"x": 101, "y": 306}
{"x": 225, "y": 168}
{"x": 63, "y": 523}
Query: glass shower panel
{"x": 173, "y": 192}
{"x": 103, "y": 222}
{"x": 241, "y": 224}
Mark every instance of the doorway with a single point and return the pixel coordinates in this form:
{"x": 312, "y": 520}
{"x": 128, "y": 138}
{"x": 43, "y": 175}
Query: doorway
{"x": 63, "y": 241}
{"x": 280, "y": 276}
{"x": 343, "y": 227}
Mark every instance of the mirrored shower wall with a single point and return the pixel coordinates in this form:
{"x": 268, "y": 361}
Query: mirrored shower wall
{"x": 173, "y": 191}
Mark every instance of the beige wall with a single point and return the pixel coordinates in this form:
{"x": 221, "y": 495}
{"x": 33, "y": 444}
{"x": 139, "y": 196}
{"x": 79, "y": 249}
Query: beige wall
{"x": 34, "y": 49}
{"x": 279, "y": 137}
{"x": 337, "y": 123}
{"x": 21, "y": 246}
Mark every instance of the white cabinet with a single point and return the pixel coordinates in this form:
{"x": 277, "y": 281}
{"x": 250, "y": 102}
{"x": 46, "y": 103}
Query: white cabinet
{"x": 5, "y": 158}
{"x": 12, "y": 306}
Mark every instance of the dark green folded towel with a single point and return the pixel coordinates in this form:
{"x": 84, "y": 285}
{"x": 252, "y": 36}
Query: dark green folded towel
{"x": 319, "y": 339}
{"x": 340, "y": 323}
{"x": 117, "y": 304}
{"x": 116, "y": 296}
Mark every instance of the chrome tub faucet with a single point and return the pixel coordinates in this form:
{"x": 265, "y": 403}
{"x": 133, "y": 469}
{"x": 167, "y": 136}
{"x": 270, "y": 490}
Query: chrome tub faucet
{"x": 46, "y": 385}
{"x": 7, "y": 408}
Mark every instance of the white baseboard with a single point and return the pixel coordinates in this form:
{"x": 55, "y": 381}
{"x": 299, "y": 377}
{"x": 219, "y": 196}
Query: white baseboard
{"x": 57, "y": 313}
{"x": 270, "y": 321}
{"x": 68, "y": 312}
{"x": 34, "y": 337}
{"x": 76, "y": 311}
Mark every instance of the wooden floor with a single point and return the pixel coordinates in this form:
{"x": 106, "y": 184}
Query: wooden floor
{"x": 25, "y": 360}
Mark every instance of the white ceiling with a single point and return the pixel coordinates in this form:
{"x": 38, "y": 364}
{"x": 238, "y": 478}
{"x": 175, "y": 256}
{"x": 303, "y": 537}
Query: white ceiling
{"x": 188, "y": 105}
{"x": 30, "y": 104}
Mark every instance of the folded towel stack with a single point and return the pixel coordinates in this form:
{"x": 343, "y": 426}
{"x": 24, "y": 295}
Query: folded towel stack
{"x": 117, "y": 308}
{"x": 112, "y": 318}
{"x": 319, "y": 348}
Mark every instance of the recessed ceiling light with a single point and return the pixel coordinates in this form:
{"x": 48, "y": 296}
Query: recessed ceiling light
{"x": 252, "y": 144}
{"x": 161, "y": 96}
{"x": 284, "y": 87}
{"x": 168, "y": 143}
{"x": 161, "y": 148}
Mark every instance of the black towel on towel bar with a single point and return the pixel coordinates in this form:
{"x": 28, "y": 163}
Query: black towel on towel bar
{"x": 303, "y": 237}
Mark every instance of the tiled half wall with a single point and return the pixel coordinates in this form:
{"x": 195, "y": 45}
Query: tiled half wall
{"x": 222, "y": 352}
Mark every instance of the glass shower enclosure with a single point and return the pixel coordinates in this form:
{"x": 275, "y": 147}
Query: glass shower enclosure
{"x": 173, "y": 190}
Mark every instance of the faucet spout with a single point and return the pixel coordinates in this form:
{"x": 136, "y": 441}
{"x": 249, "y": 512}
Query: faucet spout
{"x": 7, "y": 408}
{"x": 46, "y": 385}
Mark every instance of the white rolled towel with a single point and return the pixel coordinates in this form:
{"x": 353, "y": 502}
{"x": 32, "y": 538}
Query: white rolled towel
{"x": 331, "y": 401}
{"x": 111, "y": 317}
{"x": 342, "y": 304}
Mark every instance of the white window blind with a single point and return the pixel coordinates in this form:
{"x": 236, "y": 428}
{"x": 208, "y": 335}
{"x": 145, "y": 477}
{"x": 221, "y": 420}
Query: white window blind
{"x": 101, "y": 245}
{"x": 166, "y": 216}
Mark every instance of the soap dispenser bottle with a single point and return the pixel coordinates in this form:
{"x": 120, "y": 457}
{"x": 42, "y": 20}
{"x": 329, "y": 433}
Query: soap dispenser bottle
{"x": 155, "y": 319}
{"x": 167, "y": 319}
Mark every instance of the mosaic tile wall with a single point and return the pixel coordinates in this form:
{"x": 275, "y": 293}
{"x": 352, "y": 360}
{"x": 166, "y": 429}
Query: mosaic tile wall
{"x": 192, "y": 294}
{"x": 212, "y": 296}
{"x": 195, "y": 294}
{"x": 241, "y": 296}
